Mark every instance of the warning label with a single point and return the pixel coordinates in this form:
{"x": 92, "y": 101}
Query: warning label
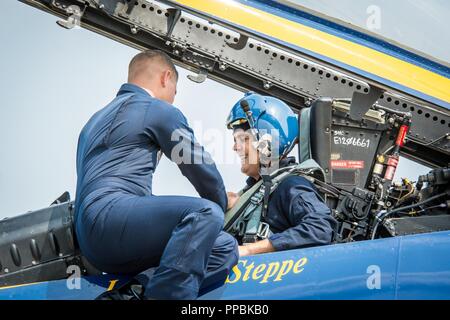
{"x": 347, "y": 164}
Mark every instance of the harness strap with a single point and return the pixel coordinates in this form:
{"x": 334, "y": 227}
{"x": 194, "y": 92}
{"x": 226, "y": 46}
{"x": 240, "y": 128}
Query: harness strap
{"x": 250, "y": 225}
{"x": 267, "y": 184}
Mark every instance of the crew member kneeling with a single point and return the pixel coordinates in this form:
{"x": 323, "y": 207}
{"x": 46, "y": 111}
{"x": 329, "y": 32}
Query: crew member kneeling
{"x": 121, "y": 226}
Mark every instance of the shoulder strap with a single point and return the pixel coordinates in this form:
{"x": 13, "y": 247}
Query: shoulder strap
{"x": 244, "y": 199}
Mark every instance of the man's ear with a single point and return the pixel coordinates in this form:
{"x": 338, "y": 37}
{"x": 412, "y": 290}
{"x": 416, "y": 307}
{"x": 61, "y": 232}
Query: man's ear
{"x": 165, "y": 78}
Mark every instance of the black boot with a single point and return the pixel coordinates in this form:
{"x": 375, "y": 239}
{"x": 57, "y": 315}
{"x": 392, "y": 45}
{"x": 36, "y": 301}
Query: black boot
{"x": 130, "y": 291}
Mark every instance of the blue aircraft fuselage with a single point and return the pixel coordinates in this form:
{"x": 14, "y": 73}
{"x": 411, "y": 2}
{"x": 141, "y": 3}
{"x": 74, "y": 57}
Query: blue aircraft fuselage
{"x": 408, "y": 267}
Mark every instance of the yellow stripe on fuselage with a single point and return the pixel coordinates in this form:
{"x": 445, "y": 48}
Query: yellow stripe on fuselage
{"x": 344, "y": 51}
{"x": 19, "y": 285}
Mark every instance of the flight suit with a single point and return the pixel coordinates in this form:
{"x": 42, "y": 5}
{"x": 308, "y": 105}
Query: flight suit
{"x": 121, "y": 226}
{"x": 295, "y": 214}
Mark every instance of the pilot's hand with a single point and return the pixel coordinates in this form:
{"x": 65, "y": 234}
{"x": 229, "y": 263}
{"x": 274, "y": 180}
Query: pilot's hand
{"x": 243, "y": 251}
{"x": 257, "y": 247}
{"x": 233, "y": 197}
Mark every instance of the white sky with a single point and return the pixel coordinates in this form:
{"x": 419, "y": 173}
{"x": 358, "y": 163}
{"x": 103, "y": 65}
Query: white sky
{"x": 419, "y": 24}
{"x": 52, "y": 80}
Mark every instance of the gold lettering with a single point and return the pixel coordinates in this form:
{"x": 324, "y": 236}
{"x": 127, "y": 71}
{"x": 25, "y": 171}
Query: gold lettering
{"x": 112, "y": 283}
{"x": 274, "y": 270}
{"x": 236, "y": 272}
{"x": 257, "y": 270}
{"x": 271, "y": 271}
{"x": 286, "y": 267}
{"x": 300, "y": 263}
{"x": 247, "y": 272}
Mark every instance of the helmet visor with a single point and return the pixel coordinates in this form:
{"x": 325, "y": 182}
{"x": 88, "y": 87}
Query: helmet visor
{"x": 236, "y": 123}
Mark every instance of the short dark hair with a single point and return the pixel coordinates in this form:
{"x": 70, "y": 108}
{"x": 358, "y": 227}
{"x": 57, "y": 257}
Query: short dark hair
{"x": 152, "y": 55}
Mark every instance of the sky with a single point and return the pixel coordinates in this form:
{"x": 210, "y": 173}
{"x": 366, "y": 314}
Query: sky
{"x": 53, "y": 80}
{"x": 419, "y": 24}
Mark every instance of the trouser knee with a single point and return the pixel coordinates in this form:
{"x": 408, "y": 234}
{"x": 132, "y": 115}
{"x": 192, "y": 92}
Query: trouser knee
{"x": 230, "y": 247}
{"x": 212, "y": 213}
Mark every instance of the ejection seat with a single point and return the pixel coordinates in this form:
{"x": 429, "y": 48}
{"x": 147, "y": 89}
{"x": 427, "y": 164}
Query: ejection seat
{"x": 343, "y": 147}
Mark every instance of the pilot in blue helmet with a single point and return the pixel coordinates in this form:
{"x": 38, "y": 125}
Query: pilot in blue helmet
{"x": 265, "y": 130}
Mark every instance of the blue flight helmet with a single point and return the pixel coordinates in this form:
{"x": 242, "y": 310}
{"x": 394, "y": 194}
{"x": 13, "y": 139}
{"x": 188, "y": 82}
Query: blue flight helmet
{"x": 263, "y": 114}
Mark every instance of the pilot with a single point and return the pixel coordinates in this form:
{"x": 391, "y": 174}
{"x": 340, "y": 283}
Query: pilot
{"x": 296, "y": 215}
{"x": 121, "y": 227}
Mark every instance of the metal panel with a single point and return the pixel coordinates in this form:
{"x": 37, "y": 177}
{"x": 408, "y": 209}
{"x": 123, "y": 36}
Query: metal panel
{"x": 258, "y": 66}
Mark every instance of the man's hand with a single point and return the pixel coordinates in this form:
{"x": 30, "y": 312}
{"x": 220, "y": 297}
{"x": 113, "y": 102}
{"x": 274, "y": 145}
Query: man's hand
{"x": 262, "y": 246}
{"x": 244, "y": 251}
{"x": 233, "y": 197}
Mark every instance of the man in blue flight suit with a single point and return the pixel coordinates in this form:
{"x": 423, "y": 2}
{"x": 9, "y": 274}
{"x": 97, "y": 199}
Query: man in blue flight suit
{"x": 296, "y": 215}
{"x": 121, "y": 227}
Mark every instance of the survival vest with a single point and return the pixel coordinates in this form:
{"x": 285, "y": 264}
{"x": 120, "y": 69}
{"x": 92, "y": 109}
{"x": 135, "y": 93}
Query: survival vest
{"x": 245, "y": 220}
